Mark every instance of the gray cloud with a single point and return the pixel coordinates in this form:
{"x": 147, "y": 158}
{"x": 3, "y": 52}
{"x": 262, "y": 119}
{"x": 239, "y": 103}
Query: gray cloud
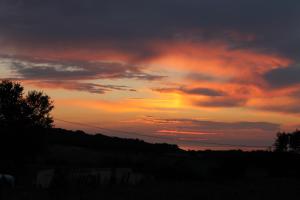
{"x": 221, "y": 102}
{"x": 203, "y": 125}
{"x": 193, "y": 91}
{"x": 73, "y": 75}
{"x": 283, "y": 77}
{"x": 76, "y": 70}
{"x": 204, "y": 77}
{"x": 289, "y": 108}
{"x": 80, "y": 86}
{"x": 204, "y": 91}
{"x": 217, "y": 98}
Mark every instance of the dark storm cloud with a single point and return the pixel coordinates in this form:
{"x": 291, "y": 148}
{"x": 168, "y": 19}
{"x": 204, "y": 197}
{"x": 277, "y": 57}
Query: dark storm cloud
{"x": 283, "y": 77}
{"x": 133, "y": 24}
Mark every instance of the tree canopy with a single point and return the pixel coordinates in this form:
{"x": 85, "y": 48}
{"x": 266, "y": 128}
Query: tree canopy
{"x": 27, "y": 111}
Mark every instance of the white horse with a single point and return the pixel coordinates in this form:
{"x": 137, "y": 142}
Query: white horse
{"x": 7, "y": 180}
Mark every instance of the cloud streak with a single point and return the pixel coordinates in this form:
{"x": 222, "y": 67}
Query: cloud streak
{"x": 193, "y": 91}
{"x": 204, "y": 125}
{"x": 178, "y": 132}
{"x": 80, "y": 86}
{"x": 77, "y": 70}
{"x": 72, "y": 74}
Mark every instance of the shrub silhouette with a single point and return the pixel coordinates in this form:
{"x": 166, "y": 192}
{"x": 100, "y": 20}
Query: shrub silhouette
{"x": 30, "y": 111}
{"x": 281, "y": 142}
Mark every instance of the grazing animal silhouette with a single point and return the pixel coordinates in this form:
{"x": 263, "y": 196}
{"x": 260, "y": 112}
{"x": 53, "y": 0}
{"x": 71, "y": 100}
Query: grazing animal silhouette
{"x": 7, "y": 180}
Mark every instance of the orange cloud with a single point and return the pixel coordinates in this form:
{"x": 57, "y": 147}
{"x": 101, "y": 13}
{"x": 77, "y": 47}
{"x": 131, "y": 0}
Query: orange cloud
{"x": 216, "y": 58}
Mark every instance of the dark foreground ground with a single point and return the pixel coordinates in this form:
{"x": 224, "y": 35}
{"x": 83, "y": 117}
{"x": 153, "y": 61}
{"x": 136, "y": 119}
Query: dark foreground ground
{"x": 169, "y": 172}
{"x": 242, "y": 190}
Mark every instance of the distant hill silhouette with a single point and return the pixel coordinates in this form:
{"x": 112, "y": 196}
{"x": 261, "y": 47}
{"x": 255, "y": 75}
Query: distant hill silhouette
{"x": 102, "y": 142}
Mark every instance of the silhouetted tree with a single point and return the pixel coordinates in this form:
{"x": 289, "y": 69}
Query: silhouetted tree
{"x": 32, "y": 110}
{"x": 294, "y": 141}
{"x": 282, "y": 142}
{"x": 24, "y": 120}
{"x": 288, "y": 142}
{"x": 38, "y": 107}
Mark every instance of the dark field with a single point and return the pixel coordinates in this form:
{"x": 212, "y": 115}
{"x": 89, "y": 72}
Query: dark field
{"x": 242, "y": 190}
{"x": 168, "y": 172}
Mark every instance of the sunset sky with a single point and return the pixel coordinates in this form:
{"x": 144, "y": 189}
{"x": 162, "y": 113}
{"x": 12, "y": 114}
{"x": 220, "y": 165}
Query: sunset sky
{"x": 191, "y": 72}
